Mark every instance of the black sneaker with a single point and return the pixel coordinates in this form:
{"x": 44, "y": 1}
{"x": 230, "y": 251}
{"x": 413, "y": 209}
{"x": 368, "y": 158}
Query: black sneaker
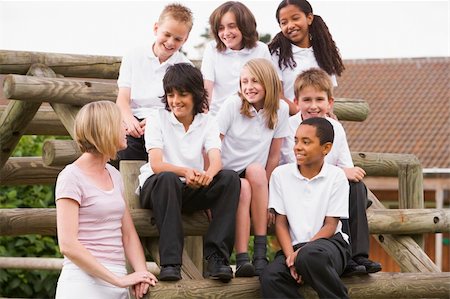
{"x": 260, "y": 264}
{"x": 371, "y": 266}
{"x": 353, "y": 268}
{"x": 170, "y": 273}
{"x": 245, "y": 270}
{"x": 218, "y": 268}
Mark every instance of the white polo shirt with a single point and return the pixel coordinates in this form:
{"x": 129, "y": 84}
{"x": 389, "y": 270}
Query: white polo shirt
{"x": 306, "y": 202}
{"x": 339, "y": 154}
{"x": 141, "y": 71}
{"x": 305, "y": 59}
{"x": 179, "y": 147}
{"x": 247, "y": 140}
{"x": 224, "y": 69}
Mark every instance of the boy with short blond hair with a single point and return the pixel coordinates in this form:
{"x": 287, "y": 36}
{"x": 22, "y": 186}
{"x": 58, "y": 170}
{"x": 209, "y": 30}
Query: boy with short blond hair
{"x": 141, "y": 73}
{"x": 314, "y": 98}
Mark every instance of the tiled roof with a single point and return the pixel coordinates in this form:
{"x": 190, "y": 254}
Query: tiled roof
{"x": 409, "y": 102}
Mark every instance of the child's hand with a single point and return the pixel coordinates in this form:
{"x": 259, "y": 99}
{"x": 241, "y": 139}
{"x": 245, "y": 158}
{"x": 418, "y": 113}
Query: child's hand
{"x": 204, "y": 179}
{"x": 133, "y": 127}
{"x": 191, "y": 175}
{"x": 354, "y": 174}
{"x": 290, "y": 262}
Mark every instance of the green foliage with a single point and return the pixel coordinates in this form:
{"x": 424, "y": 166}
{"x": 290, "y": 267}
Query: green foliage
{"x": 25, "y": 283}
{"x": 265, "y": 38}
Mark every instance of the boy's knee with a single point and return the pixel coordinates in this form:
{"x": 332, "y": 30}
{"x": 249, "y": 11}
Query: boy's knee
{"x": 310, "y": 257}
{"x": 168, "y": 176}
{"x": 229, "y": 176}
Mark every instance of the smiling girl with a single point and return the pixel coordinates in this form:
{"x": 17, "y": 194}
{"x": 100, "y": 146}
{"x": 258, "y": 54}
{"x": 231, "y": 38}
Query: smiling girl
{"x": 303, "y": 43}
{"x": 233, "y": 27}
{"x": 252, "y": 125}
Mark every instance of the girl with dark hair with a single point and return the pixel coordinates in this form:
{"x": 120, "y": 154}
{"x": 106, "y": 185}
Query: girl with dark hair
{"x": 233, "y": 27}
{"x": 304, "y": 42}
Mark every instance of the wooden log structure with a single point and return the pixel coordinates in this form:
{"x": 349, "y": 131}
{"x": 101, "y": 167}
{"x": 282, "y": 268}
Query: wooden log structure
{"x": 42, "y": 221}
{"x": 68, "y": 65}
{"x": 44, "y": 122}
{"x": 18, "y": 115}
{"x": 379, "y": 285}
{"x": 82, "y": 91}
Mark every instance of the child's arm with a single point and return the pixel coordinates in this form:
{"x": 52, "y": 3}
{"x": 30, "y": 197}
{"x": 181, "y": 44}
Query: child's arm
{"x": 155, "y": 157}
{"x": 209, "y": 85}
{"x": 328, "y": 229}
{"x": 214, "y": 166}
{"x": 354, "y": 174}
{"x": 284, "y": 238}
{"x": 274, "y": 156}
{"x": 134, "y": 128}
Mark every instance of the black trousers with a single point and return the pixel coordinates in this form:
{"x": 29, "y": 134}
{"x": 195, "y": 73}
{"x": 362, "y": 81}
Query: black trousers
{"x": 356, "y": 226}
{"x": 320, "y": 263}
{"x": 168, "y": 197}
{"x": 135, "y": 150}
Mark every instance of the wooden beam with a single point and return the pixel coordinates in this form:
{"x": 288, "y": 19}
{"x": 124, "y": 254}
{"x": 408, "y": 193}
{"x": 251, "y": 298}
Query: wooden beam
{"x": 44, "y": 122}
{"x": 60, "y": 152}
{"x": 28, "y": 171}
{"x": 382, "y": 164}
{"x": 42, "y": 221}
{"x": 46, "y": 263}
{"x": 403, "y": 249}
{"x": 379, "y": 285}
{"x": 351, "y": 109}
{"x": 58, "y": 90}
{"x": 68, "y": 65}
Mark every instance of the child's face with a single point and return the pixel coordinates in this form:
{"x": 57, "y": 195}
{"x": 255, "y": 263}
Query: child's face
{"x": 307, "y": 149}
{"x": 170, "y": 36}
{"x": 229, "y": 32}
{"x": 313, "y": 103}
{"x": 253, "y": 90}
{"x": 294, "y": 24}
{"x": 181, "y": 104}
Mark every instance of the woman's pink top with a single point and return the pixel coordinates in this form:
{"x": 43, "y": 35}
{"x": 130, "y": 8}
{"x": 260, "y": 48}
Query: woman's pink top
{"x": 100, "y": 214}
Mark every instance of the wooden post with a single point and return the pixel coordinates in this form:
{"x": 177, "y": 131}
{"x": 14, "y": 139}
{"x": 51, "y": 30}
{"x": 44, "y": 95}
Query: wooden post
{"x": 411, "y": 190}
{"x": 59, "y": 152}
{"x": 351, "y": 109}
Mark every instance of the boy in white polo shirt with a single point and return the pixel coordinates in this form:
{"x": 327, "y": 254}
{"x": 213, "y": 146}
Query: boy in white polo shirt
{"x": 309, "y": 198}
{"x": 141, "y": 73}
{"x": 314, "y": 97}
{"x": 174, "y": 182}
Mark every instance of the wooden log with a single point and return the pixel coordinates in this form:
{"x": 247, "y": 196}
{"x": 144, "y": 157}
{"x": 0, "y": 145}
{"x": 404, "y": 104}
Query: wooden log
{"x": 66, "y": 114}
{"x": 379, "y": 285}
{"x": 28, "y": 171}
{"x": 44, "y": 122}
{"x": 58, "y": 90}
{"x": 67, "y": 152}
{"x": 17, "y": 117}
{"x": 382, "y": 164}
{"x": 410, "y": 190}
{"x": 351, "y": 109}
{"x": 403, "y": 249}
{"x": 22, "y": 221}
{"x": 69, "y": 65}
{"x": 46, "y": 263}
{"x": 408, "y": 221}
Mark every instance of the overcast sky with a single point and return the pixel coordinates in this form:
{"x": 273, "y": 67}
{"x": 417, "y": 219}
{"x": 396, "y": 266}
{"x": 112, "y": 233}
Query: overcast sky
{"x": 361, "y": 29}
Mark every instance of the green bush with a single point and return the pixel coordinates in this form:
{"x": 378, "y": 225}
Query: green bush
{"x": 26, "y": 283}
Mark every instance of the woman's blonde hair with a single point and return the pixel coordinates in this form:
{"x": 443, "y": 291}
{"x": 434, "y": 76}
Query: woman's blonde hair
{"x": 97, "y": 128}
{"x": 265, "y": 73}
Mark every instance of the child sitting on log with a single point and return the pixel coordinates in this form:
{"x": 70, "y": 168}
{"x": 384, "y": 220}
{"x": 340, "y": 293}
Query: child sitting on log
{"x": 174, "y": 182}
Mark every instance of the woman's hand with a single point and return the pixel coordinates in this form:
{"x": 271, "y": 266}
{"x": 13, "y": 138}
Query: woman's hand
{"x": 136, "y": 278}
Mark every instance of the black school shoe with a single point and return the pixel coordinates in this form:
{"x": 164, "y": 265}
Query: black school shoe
{"x": 353, "y": 268}
{"x": 369, "y": 265}
{"x": 218, "y": 268}
{"x": 245, "y": 270}
{"x": 170, "y": 273}
{"x": 259, "y": 264}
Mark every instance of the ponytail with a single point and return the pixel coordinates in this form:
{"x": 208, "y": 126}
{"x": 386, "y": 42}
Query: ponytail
{"x": 281, "y": 46}
{"x": 325, "y": 50}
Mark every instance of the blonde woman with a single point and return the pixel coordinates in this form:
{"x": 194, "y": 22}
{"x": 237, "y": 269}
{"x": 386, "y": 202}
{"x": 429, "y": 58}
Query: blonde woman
{"x": 252, "y": 125}
{"x": 95, "y": 229}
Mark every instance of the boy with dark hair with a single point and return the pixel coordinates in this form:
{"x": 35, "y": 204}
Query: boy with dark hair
{"x": 174, "y": 180}
{"x": 309, "y": 198}
{"x": 314, "y": 98}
